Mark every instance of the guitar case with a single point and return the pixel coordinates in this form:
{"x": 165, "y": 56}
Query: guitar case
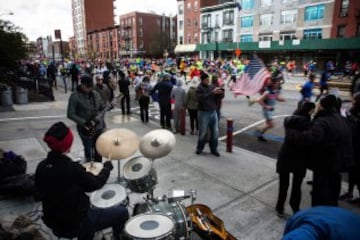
{"x": 206, "y": 224}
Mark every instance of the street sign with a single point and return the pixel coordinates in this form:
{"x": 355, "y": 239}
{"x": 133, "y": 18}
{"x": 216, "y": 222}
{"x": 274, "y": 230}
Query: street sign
{"x": 237, "y": 52}
{"x": 57, "y": 34}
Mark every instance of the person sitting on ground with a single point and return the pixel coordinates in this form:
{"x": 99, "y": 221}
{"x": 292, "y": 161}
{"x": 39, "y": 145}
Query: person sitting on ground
{"x": 330, "y": 223}
{"x": 62, "y": 185}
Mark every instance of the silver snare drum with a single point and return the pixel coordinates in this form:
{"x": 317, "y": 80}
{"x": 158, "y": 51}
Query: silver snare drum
{"x": 149, "y": 226}
{"x": 140, "y": 175}
{"x": 176, "y": 211}
{"x": 110, "y": 195}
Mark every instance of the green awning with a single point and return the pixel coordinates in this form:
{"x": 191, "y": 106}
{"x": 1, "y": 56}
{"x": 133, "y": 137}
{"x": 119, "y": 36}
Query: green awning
{"x": 293, "y": 45}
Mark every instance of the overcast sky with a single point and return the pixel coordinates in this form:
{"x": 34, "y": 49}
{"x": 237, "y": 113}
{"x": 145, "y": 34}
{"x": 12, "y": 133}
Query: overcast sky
{"x": 39, "y": 18}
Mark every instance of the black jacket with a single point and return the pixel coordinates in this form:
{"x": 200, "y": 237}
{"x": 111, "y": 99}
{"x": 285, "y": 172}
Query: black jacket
{"x": 331, "y": 141}
{"x": 293, "y": 157}
{"x": 163, "y": 88}
{"x": 354, "y": 121}
{"x": 207, "y": 100}
{"x": 62, "y": 184}
{"x": 124, "y": 84}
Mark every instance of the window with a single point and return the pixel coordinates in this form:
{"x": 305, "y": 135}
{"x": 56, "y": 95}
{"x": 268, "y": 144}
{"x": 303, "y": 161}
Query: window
{"x": 313, "y": 33}
{"x": 314, "y": 12}
{"x": 265, "y": 37}
{"x": 287, "y": 35}
{"x": 228, "y": 35}
{"x": 158, "y": 22}
{"x": 195, "y": 37}
{"x": 217, "y": 20}
{"x": 344, "y": 9}
{"x": 216, "y": 36}
{"x": 189, "y": 22}
{"x": 266, "y": 19}
{"x": 195, "y": 6}
{"x": 181, "y": 40}
{"x": 246, "y": 38}
{"x": 341, "y": 31}
{"x": 141, "y": 45}
{"x": 206, "y": 21}
{"x": 266, "y": 3}
{"x": 140, "y": 32}
{"x": 188, "y": 38}
{"x": 247, "y": 4}
{"x": 181, "y": 25}
{"x": 228, "y": 17}
{"x": 246, "y": 22}
{"x": 288, "y": 16}
{"x": 189, "y": 5}
{"x": 181, "y": 9}
{"x": 195, "y": 23}
{"x": 140, "y": 21}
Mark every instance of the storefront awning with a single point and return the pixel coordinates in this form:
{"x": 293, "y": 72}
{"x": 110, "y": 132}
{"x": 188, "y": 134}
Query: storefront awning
{"x": 183, "y": 48}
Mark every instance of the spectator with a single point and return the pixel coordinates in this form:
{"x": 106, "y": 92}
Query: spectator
{"x": 178, "y": 94}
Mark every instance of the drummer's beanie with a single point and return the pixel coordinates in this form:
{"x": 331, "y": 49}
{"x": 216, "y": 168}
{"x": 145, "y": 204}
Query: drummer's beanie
{"x": 59, "y": 137}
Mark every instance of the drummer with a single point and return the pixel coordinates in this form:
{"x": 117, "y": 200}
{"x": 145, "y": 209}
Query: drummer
{"x": 62, "y": 184}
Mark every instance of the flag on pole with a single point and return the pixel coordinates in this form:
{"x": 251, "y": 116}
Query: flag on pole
{"x": 252, "y": 79}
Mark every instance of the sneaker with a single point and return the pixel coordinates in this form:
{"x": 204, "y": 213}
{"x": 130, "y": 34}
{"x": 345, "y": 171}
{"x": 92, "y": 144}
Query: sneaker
{"x": 198, "y": 152}
{"x": 261, "y": 138}
{"x": 216, "y": 154}
{"x": 346, "y": 197}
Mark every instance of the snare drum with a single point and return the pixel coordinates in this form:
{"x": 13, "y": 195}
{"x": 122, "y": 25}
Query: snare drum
{"x": 140, "y": 175}
{"x": 149, "y": 226}
{"x": 176, "y": 211}
{"x": 110, "y": 195}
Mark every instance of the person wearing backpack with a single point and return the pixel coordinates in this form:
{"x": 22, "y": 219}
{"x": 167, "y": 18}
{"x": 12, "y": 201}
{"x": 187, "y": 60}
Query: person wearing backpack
{"x": 143, "y": 90}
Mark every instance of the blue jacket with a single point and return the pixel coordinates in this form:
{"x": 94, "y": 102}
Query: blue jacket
{"x": 323, "y": 223}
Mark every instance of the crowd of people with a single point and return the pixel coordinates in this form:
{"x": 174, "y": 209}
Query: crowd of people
{"x": 317, "y": 135}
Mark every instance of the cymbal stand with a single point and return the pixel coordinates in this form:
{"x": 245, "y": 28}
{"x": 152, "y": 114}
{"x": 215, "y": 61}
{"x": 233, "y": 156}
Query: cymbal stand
{"x": 193, "y": 198}
{"x": 151, "y": 191}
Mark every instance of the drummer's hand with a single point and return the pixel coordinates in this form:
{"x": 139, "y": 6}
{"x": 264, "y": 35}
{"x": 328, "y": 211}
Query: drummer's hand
{"x": 108, "y": 165}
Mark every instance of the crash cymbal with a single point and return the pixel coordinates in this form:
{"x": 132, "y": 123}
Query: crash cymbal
{"x": 117, "y": 144}
{"x": 93, "y": 167}
{"x": 157, "y": 143}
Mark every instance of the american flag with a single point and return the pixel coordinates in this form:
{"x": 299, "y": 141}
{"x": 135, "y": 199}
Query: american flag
{"x": 253, "y": 78}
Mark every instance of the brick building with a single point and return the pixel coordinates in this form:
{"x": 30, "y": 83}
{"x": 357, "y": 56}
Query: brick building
{"x": 88, "y": 16}
{"x": 146, "y": 34}
{"x": 188, "y": 22}
{"x": 103, "y": 44}
{"x": 346, "y": 19}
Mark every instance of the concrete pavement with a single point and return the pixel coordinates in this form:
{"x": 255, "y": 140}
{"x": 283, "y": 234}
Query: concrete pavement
{"x": 240, "y": 187}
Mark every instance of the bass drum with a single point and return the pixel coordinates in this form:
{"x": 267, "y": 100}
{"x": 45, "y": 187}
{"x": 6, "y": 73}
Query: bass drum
{"x": 175, "y": 210}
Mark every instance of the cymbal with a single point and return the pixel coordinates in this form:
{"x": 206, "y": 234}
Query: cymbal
{"x": 157, "y": 143}
{"x": 93, "y": 167}
{"x": 117, "y": 144}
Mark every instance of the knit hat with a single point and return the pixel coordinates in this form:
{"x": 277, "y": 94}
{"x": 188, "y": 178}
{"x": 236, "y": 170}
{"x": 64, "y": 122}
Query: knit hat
{"x": 329, "y": 102}
{"x": 203, "y": 76}
{"x": 59, "y": 137}
{"x": 87, "y": 80}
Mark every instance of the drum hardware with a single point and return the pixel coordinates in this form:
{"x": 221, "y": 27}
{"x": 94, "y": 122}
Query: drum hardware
{"x": 157, "y": 143}
{"x": 117, "y": 144}
{"x": 110, "y": 195}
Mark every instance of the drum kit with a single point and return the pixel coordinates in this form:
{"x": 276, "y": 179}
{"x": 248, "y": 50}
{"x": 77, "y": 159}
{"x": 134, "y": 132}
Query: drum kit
{"x": 159, "y": 218}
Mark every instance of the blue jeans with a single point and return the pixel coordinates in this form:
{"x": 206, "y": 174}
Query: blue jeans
{"x": 98, "y": 219}
{"x": 208, "y": 120}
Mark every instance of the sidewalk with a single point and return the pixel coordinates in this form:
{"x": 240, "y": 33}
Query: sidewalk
{"x": 240, "y": 187}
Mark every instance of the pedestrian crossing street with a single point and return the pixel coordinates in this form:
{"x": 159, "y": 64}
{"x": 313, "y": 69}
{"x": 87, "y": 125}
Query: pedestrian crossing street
{"x": 154, "y": 111}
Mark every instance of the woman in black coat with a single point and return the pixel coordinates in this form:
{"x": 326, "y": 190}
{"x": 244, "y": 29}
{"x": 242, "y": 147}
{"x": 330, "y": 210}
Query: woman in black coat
{"x": 292, "y": 159}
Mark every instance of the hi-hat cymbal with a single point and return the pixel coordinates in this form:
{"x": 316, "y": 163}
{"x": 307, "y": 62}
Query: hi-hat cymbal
{"x": 117, "y": 144}
{"x": 157, "y": 143}
{"x": 93, "y": 167}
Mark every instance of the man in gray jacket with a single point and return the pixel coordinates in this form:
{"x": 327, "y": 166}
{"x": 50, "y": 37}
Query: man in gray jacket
{"x": 87, "y": 110}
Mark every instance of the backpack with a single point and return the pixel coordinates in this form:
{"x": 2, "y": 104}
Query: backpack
{"x": 11, "y": 165}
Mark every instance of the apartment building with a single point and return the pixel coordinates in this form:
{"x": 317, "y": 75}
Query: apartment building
{"x": 346, "y": 19}
{"x": 102, "y": 44}
{"x": 147, "y": 34}
{"x": 88, "y": 16}
{"x": 188, "y": 22}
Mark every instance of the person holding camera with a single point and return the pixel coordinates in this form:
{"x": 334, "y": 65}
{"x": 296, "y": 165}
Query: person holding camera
{"x": 87, "y": 109}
